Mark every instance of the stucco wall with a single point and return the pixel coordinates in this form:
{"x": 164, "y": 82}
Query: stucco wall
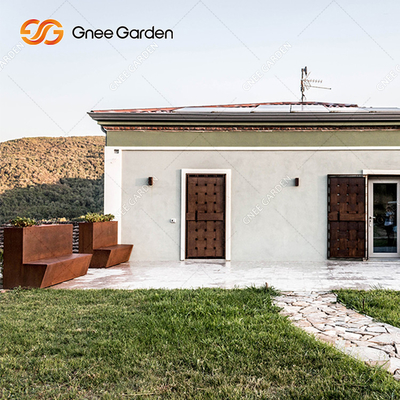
{"x": 291, "y": 224}
{"x": 236, "y": 138}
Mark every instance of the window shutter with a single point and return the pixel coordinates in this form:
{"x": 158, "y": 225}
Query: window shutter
{"x": 346, "y": 217}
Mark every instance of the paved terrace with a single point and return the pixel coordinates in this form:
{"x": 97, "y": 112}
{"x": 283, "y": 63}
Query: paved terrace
{"x": 287, "y": 276}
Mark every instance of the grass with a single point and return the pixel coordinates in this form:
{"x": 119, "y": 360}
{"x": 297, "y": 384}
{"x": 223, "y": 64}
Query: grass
{"x": 178, "y": 344}
{"x": 381, "y": 304}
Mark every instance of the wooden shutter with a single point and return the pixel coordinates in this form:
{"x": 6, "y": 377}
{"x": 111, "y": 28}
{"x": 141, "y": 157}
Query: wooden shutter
{"x": 346, "y": 217}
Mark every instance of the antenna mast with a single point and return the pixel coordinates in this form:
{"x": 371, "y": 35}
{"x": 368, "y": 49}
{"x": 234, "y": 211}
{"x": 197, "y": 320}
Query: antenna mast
{"x": 306, "y": 83}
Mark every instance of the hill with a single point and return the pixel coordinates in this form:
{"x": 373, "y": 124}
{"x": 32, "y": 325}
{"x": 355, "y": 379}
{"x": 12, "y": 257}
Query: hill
{"x": 51, "y": 177}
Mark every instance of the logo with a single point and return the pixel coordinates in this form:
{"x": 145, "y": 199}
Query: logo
{"x": 122, "y": 32}
{"x": 41, "y": 32}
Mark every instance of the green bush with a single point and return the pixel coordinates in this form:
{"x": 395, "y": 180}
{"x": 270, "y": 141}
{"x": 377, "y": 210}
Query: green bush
{"x": 1, "y": 261}
{"x": 21, "y": 222}
{"x": 70, "y": 198}
{"x": 95, "y": 217}
{"x": 67, "y": 182}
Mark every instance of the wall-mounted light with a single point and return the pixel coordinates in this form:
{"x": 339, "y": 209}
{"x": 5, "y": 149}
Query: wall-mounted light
{"x": 150, "y": 181}
{"x": 296, "y": 181}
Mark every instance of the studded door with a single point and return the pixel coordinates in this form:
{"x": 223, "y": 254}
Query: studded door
{"x": 205, "y": 216}
{"x": 346, "y": 217}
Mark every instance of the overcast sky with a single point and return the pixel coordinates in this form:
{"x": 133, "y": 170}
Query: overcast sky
{"x": 222, "y": 52}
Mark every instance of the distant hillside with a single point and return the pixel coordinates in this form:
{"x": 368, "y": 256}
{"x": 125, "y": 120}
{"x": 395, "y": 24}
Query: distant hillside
{"x": 51, "y": 177}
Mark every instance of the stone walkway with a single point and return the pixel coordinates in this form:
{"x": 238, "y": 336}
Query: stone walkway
{"x": 358, "y": 335}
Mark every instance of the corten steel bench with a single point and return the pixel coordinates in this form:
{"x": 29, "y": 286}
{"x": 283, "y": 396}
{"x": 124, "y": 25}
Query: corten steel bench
{"x": 101, "y": 240}
{"x": 41, "y": 256}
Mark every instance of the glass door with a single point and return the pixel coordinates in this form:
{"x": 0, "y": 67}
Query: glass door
{"x": 383, "y": 217}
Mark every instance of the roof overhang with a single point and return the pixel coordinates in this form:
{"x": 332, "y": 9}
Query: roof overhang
{"x": 261, "y": 114}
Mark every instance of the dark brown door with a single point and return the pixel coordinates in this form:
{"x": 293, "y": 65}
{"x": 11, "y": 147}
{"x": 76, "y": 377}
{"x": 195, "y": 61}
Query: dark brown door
{"x": 205, "y": 216}
{"x": 346, "y": 217}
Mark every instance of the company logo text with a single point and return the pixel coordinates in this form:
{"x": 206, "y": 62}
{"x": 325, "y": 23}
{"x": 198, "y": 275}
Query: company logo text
{"x": 122, "y": 32}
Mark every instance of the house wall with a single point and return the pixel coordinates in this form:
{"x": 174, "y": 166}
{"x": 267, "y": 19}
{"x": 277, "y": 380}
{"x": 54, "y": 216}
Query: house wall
{"x": 223, "y": 137}
{"x": 271, "y": 220}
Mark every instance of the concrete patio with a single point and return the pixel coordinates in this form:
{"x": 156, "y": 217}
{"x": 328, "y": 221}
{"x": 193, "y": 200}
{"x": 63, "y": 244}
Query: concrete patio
{"x": 294, "y": 276}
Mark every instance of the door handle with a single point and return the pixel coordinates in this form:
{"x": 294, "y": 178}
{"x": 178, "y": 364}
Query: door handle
{"x": 371, "y": 218}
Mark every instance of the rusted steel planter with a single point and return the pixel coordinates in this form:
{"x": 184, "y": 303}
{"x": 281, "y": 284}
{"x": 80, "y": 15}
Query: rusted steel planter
{"x": 41, "y": 256}
{"x": 101, "y": 240}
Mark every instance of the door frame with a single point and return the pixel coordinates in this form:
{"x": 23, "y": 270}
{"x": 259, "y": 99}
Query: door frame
{"x": 228, "y": 208}
{"x": 384, "y": 179}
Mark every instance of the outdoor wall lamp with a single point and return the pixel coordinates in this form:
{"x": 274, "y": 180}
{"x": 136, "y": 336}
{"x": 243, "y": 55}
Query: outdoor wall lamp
{"x": 296, "y": 181}
{"x": 150, "y": 181}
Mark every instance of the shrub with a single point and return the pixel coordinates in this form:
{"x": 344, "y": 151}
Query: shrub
{"x": 94, "y": 217}
{"x": 21, "y": 222}
{"x": 1, "y": 261}
{"x": 45, "y": 201}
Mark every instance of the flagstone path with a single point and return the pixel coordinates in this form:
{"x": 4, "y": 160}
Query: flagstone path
{"x": 355, "y": 334}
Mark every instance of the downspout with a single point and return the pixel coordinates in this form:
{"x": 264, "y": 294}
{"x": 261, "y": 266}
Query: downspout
{"x": 104, "y": 131}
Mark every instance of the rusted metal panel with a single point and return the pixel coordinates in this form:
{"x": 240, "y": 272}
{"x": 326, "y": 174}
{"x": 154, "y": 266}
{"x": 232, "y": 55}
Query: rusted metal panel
{"x": 346, "y": 217}
{"x": 44, "y": 273}
{"x": 101, "y": 240}
{"x": 109, "y": 256}
{"x": 46, "y": 241}
{"x": 41, "y": 256}
{"x": 93, "y": 235}
{"x": 12, "y": 266}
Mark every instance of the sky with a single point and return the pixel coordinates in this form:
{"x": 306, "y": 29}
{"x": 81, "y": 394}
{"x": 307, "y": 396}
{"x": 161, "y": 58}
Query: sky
{"x": 222, "y": 52}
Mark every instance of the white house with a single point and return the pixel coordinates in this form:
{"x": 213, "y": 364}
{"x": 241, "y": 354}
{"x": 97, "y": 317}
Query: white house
{"x": 270, "y": 181}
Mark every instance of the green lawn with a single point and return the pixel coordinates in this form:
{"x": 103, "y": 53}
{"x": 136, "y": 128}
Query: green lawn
{"x": 381, "y": 304}
{"x": 178, "y": 344}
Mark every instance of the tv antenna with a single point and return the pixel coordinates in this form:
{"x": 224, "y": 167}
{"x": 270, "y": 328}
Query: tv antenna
{"x": 307, "y": 83}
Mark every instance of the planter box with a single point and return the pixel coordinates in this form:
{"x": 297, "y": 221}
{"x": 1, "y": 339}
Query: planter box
{"x": 41, "y": 256}
{"x": 101, "y": 240}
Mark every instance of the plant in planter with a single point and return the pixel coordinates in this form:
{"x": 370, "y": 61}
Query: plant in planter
{"x": 94, "y": 217}
{"x": 40, "y": 255}
{"x": 99, "y": 236}
{"x": 21, "y": 222}
{"x": 53, "y": 221}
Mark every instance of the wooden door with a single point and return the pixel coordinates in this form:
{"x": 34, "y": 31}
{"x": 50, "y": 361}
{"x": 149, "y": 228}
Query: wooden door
{"x": 205, "y": 215}
{"x": 346, "y": 217}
